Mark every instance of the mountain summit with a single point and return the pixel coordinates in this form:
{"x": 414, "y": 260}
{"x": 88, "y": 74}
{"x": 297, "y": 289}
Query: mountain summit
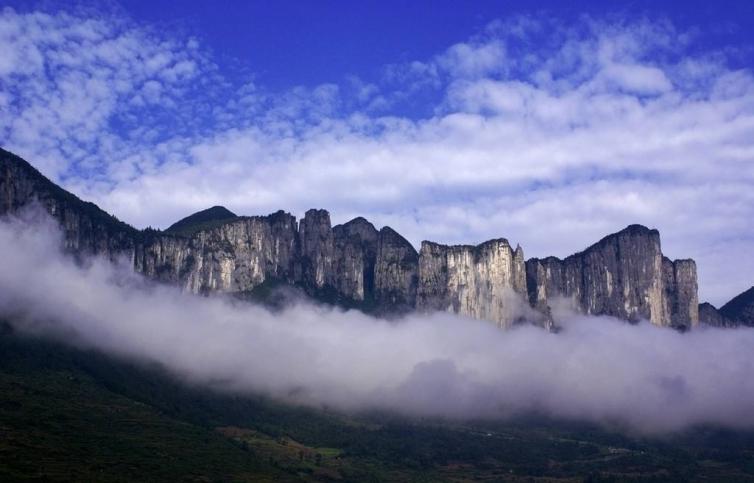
{"x": 202, "y": 220}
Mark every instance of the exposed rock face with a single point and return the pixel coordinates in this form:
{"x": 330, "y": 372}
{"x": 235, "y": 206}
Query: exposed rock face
{"x": 356, "y": 254}
{"x": 233, "y": 257}
{"x": 740, "y": 310}
{"x": 709, "y": 315}
{"x": 681, "y": 302}
{"x": 623, "y": 275}
{"x": 396, "y": 271}
{"x": 486, "y": 281}
{"x": 737, "y": 312}
{"x": 317, "y": 249}
{"x": 86, "y": 228}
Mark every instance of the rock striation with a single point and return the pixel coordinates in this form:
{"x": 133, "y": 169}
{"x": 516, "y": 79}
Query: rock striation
{"x": 739, "y": 311}
{"x": 233, "y": 257}
{"x": 86, "y": 228}
{"x": 396, "y": 271}
{"x": 709, "y": 315}
{"x": 623, "y": 275}
{"x": 317, "y": 250}
{"x": 355, "y": 245}
{"x": 681, "y": 302}
{"x": 486, "y": 281}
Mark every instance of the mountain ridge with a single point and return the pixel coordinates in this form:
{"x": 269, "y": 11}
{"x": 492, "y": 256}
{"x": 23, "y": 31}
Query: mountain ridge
{"x": 624, "y": 274}
{"x": 738, "y": 311}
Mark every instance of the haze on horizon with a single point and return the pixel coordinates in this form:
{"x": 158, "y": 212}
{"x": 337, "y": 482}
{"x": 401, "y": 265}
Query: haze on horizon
{"x": 545, "y": 127}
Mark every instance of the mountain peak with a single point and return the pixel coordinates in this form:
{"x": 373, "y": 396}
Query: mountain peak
{"x": 201, "y": 220}
{"x": 741, "y": 308}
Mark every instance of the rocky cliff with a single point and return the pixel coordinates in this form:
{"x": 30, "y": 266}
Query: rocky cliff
{"x": 624, "y": 275}
{"x": 709, "y": 315}
{"x": 681, "y": 302}
{"x": 86, "y": 228}
{"x": 355, "y": 244}
{"x": 486, "y": 281}
{"x": 396, "y": 271}
{"x": 317, "y": 250}
{"x": 236, "y": 256}
{"x": 739, "y": 311}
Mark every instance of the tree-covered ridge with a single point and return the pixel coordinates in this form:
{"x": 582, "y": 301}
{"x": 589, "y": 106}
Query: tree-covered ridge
{"x": 202, "y": 220}
{"x": 15, "y": 170}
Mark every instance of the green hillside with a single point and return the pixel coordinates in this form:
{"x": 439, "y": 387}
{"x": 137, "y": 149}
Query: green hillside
{"x": 202, "y": 220}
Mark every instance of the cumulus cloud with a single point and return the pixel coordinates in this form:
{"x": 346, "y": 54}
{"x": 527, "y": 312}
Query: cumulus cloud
{"x": 83, "y": 86}
{"x": 581, "y": 128}
{"x": 634, "y": 377}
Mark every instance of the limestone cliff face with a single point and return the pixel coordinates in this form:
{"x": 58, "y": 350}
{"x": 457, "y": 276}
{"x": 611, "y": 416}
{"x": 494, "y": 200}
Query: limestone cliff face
{"x": 86, "y": 228}
{"x": 623, "y": 275}
{"x": 233, "y": 257}
{"x": 709, "y": 315}
{"x": 338, "y": 261}
{"x": 317, "y": 249}
{"x": 396, "y": 271}
{"x": 739, "y": 311}
{"x": 681, "y": 300}
{"x": 486, "y": 281}
{"x": 355, "y": 245}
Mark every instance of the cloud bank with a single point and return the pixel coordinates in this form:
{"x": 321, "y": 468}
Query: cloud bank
{"x": 640, "y": 378}
{"x": 584, "y": 128}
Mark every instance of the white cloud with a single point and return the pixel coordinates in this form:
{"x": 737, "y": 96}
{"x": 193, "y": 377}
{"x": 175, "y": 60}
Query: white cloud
{"x": 637, "y": 378}
{"x": 543, "y": 133}
{"x": 69, "y": 78}
{"x": 469, "y": 60}
{"x": 637, "y": 78}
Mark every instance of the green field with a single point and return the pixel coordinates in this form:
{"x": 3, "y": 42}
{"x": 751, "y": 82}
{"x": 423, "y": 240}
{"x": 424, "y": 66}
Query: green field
{"x": 76, "y": 415}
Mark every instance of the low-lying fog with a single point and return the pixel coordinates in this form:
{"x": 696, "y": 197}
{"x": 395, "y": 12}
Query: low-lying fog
{"x": 596, "y": 369}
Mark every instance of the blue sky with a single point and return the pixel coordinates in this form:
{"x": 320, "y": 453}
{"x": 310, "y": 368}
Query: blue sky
{"x": 289, "y": 43}
{"x": 550, "y": 125}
